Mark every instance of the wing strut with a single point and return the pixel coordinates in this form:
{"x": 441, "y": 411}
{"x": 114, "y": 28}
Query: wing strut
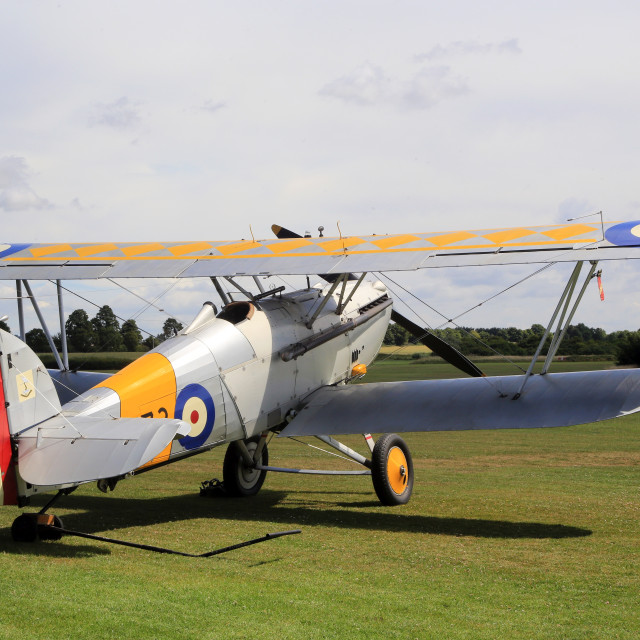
{"x": 43, "y": 324}
{"x": 220, "y": 290}
{"x": 560, "y": 333}
{"x": 63, "y": 329}
{"x": 562, "y": 326}
{"x": 340, "y": 279}
{"x": 341, "y": 305}
{"x": 20, "y": 309}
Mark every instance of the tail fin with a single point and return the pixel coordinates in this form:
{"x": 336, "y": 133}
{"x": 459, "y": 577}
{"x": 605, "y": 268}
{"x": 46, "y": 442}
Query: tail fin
{"x": 27, "y": 396}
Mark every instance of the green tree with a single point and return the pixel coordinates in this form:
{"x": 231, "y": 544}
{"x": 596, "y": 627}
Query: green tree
{"x": 131, "y": 335}
{"x": 170, "y": 328}
{"x": 37, "y": 340}
{"x": 396, "y": 335}
{"x": 80, "y": 333}
{"x": 107, "y": 330}
{"x": 151, "y": 342}
{"x": 629, "y": 350}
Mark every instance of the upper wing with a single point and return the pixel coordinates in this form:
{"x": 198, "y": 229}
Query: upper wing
{"x": 569, "y": 242}
{"x": 552, "y": 400}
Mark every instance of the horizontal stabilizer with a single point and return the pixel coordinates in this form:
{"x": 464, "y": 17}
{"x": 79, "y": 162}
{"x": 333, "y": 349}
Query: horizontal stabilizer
{"x": 78, "y": 449}
{"x": 552, "y": 400}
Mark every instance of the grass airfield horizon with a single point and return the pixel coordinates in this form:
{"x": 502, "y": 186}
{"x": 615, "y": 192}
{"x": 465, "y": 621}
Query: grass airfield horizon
{"x": 517, "y": 533}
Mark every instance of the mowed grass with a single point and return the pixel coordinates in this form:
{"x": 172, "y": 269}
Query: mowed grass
{"x": 509, "y": 534}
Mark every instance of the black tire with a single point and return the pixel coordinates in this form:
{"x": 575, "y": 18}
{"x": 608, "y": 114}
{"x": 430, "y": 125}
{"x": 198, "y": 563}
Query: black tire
{"x": 49, "y": 534}
{"x": 240, "y": 480}
{"x": 25, "y": 528}
{"x": 392, "y": 470}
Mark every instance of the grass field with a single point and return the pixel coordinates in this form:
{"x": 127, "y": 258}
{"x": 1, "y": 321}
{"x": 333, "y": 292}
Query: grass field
{"x": 509, "y": 534}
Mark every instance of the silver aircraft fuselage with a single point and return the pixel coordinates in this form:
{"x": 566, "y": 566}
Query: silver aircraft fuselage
{"x": 245, "y": 370}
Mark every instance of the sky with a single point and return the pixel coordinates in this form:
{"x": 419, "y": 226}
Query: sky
{"x": 155, "y": 120}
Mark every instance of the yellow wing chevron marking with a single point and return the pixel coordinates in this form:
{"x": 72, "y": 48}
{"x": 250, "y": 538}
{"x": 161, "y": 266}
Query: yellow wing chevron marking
{"x": 93, "y": 249}
{"x": 564, "y": 233}
{"x": 180, "y": 250}
{"x": 50, "y": 250}
{"x": 520, "y": 237}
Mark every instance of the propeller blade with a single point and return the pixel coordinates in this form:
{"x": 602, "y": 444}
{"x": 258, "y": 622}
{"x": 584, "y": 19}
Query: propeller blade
{"x": 437, "y": 345}
{"x": 281, "y": 232}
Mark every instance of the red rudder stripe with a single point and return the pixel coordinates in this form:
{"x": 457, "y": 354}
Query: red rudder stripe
{"x": 8, "y": 486}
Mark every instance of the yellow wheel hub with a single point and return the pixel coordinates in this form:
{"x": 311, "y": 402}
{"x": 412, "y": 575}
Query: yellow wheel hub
{"x": 397, "y": 470}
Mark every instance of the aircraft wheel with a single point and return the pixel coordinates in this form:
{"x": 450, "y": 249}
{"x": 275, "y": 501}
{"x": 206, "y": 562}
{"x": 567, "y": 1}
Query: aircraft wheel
{"x": 25, "y": 528}
{"x": 239, "y": 479}
{"x": 392, "y": 470}
{"x": 49, "y": 534}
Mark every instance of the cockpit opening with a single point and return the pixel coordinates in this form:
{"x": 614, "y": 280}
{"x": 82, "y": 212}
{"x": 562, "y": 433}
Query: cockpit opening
{"x": 236, "y": 312}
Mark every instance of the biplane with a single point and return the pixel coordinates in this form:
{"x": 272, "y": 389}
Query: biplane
{"x": 281, "y": 362}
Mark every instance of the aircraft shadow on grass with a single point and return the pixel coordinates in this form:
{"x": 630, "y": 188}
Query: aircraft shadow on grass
{"x": 101, "y": 515}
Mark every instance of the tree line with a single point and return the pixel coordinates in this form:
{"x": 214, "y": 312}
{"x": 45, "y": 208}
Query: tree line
{"x": 579, "y": 340}
{"x": 104, "y": 333}
{"x": 101, "y": 333}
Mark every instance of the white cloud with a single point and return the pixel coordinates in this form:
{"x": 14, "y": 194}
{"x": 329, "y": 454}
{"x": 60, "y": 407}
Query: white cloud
{"x": 15, "y": 192}
{"x": 370, "y": 85}
{"x": 470, "y": 47}
{"x": 365, "y": 86}
{"x": 122, "y": 114}
{"x": 432, "y": 85}
{"x": 13, "y": 171}
{"x": 212, "y": 107}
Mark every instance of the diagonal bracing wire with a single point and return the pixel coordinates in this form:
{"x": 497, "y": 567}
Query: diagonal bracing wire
{"x": 453, "y": 320}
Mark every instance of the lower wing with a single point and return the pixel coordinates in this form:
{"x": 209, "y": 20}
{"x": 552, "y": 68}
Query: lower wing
{"x": 551, "y": 400}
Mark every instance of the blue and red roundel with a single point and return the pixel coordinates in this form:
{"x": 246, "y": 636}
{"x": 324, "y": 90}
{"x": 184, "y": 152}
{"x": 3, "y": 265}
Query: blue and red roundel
{"x": 626, "y": 234}
{"x": 194, "y": 405}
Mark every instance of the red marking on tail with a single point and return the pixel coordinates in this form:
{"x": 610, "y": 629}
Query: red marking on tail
{"x": 9, "y": 489}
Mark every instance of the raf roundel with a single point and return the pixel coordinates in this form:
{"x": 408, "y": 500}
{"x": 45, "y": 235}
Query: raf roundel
{"x": 194, "y": 405}
{"x": 8, "y": 249}
{"x": 626, "y": 234}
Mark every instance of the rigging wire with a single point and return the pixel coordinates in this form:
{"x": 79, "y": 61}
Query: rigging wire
{"x": 133, "y": 293}
{"x": 453, "y": 320}
{"x": 95, "y": 304}
{"x": 331, "y": 453}
{"x": 136, "y": 315}
{"x": 495, "y": 295}
{"x": 466, "y": 332}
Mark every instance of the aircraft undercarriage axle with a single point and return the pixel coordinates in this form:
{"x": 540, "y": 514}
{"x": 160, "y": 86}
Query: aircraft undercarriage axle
{"x": 247, "y": 462}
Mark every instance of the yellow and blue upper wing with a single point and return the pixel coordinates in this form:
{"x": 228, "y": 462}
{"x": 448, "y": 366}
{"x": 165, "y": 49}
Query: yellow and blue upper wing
{"x": 399, "y": 252}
